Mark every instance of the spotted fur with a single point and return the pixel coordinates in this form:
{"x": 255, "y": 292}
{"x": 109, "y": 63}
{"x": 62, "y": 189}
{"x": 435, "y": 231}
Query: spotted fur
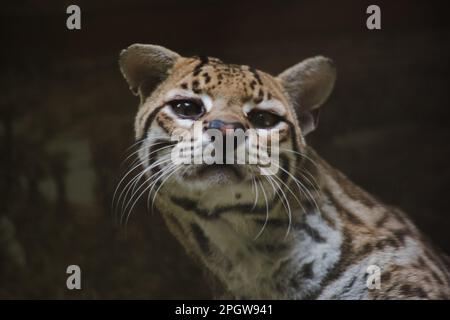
{"x": 249, "y": 243}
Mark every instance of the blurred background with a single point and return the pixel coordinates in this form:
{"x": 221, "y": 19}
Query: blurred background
{"x": 67, "y": 120}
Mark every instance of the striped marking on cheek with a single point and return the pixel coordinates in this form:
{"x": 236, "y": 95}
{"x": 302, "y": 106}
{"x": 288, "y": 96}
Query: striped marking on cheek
{"x": 149, "y": 120}
{"x": 200, "y": 238}
{"x": 165, "y": 122}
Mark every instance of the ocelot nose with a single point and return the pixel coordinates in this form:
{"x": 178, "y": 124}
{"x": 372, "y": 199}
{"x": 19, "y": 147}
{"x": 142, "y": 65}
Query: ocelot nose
{"x": 229, "y": 131}
{"x": 225, "y": 127}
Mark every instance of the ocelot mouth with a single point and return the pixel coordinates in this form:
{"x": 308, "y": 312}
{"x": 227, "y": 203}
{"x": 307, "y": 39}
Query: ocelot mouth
{"x": 219, "y": 172}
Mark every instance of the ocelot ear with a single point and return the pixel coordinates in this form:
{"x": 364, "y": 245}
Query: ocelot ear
{"x": 144, "y": 66}
{"x": 308, "y": 84}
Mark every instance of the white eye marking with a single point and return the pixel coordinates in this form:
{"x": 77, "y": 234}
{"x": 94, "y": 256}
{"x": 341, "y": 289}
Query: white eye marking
{"x": 186, "y": 94}
{"x": 249, "y": 106}
{"x": 274, "y": 106}
{"x": 267, "y": 131}
{"x": 207, "y": 102}
{"x": 185, "y": 123}
{"x": 179, "y": 94}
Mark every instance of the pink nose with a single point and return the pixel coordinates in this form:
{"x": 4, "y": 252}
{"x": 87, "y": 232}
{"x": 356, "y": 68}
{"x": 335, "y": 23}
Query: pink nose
{"x": 225, "y": 127}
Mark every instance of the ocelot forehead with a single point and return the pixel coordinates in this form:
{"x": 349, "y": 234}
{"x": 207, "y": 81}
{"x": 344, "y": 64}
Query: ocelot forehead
{"x": 211, "y": 76}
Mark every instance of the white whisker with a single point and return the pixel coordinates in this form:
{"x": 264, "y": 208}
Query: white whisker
{"x": 267, "y": 210}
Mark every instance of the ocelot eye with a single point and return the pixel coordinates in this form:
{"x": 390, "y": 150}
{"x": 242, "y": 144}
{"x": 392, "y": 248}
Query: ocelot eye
{"x": 191, "y": 109}
{"x": 263, "y": 119}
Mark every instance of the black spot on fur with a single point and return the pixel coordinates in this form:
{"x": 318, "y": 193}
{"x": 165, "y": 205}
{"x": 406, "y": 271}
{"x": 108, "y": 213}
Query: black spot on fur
{"x": 306, "y": 272}
{"x": 207, "y": 77}
{"x": 260, "y": 96}
{"x": 256, "y": 75}
{"x": 386, "y": 276}
{"x": 195, "y": 86}
{"x": 348, "y": 286}
{"x": 420, "y": 293}
{"x": 367, "y": 248}
{"x": 406, "y": 290}
{"x": 198, "y": 68}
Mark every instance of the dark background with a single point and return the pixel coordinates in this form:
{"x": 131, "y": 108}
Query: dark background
{"x": 67, "y": 116}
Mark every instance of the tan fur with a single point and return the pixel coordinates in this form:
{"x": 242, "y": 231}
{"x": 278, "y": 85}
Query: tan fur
{"x": 337, "y": 229}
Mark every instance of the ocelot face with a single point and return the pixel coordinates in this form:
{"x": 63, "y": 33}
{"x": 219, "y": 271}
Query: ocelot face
{"x": 207, "y": 125}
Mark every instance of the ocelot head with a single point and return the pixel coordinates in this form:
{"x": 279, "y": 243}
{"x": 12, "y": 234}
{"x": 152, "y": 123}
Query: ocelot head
{"x": 196, "y": 111}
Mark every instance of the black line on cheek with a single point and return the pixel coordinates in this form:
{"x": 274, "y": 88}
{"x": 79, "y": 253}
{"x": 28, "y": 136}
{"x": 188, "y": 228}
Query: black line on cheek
{"x": 298, "y": 157}
{"x": 158, "y": 144}
{"x": 176, "y": 224}
{"x": 285, "y": 165}
{"x": 149, "y": 121}
{"x": 200, "y": 238}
